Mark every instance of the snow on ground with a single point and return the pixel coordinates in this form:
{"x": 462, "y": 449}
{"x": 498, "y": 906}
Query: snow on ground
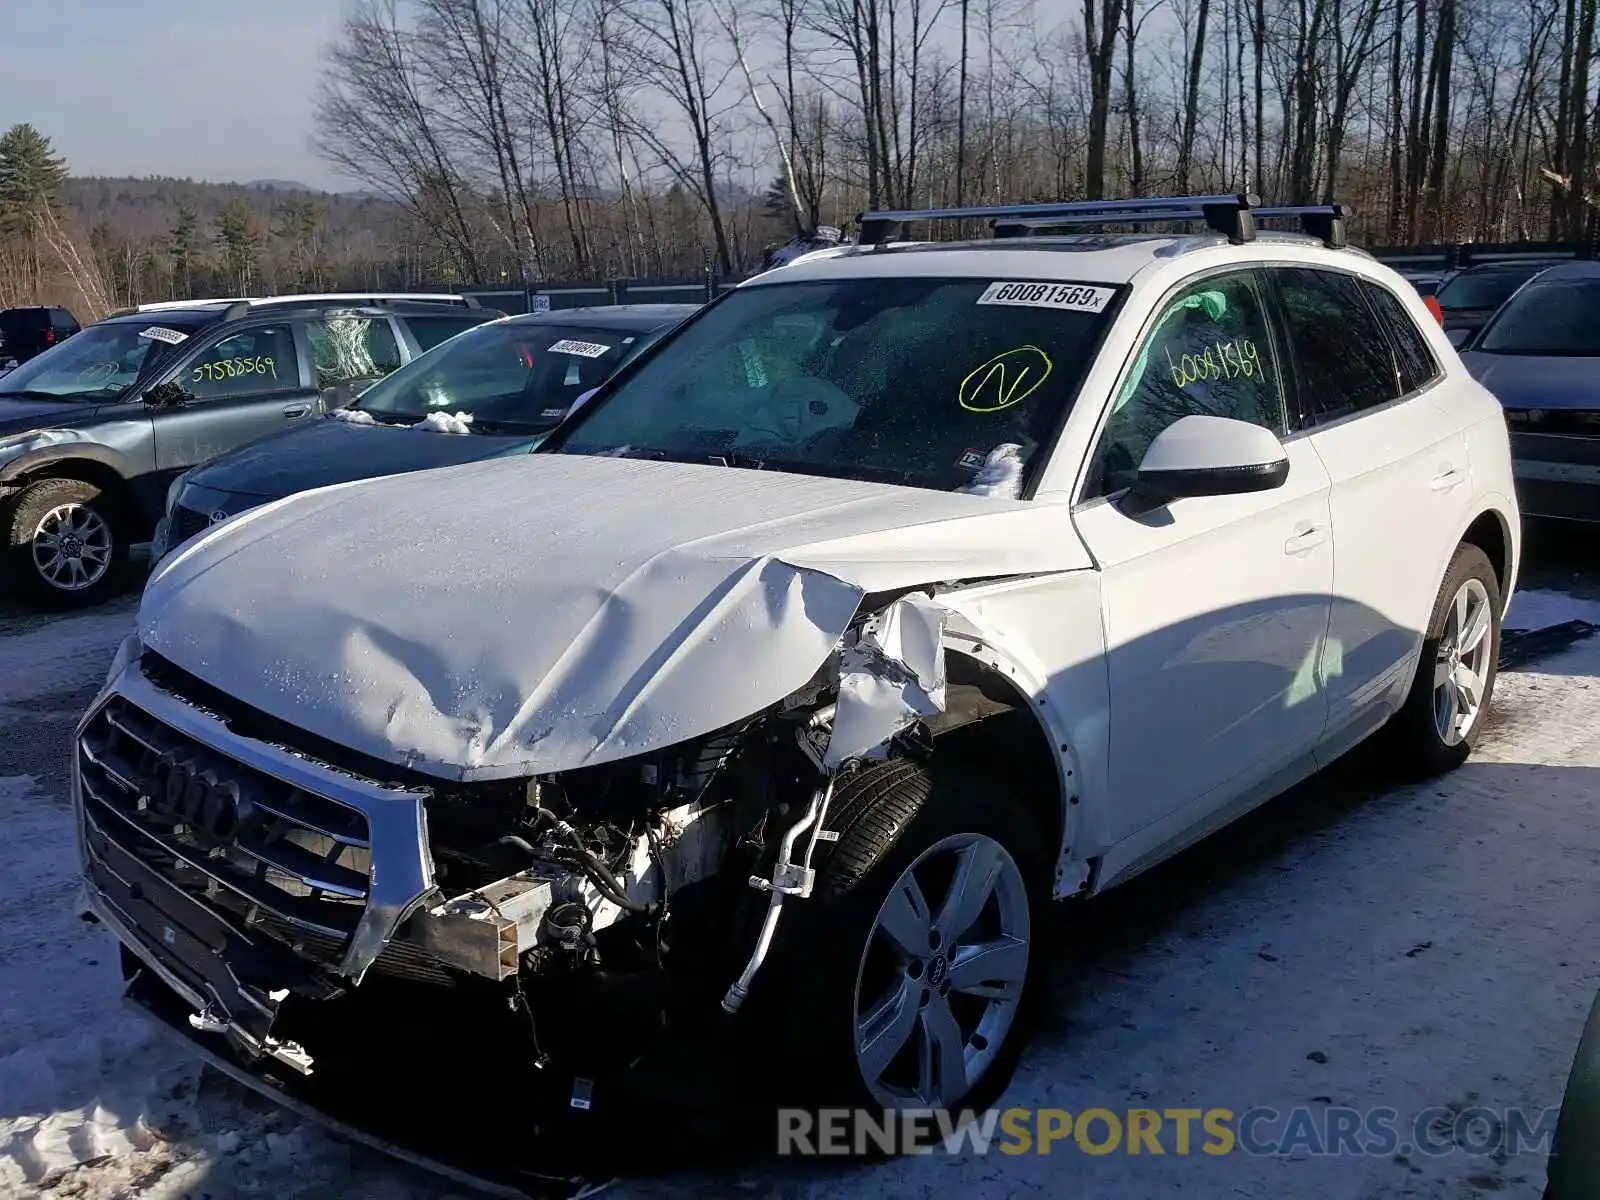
{"x": 1348, "y": 944}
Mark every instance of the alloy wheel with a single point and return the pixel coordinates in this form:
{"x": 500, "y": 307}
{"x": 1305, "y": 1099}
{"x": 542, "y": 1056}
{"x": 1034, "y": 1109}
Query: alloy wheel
{"x": 1461, "y": 667}
{"x": 939, "y": 985}
{"x": 72, "y": 547}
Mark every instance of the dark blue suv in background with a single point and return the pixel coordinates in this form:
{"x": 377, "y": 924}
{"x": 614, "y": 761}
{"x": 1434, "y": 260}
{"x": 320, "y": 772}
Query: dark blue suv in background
{"x": 515, "y": 380}
{"x": 94, "y": 430}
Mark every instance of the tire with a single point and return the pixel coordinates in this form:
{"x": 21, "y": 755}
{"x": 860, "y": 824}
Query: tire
{"x": 837, "y": 962}
{"x": 1417, "y": 737}
{"x": 73, "y": 515}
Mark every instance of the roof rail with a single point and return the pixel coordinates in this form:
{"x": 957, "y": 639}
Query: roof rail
{"x": 1228, "y": 215}
{"x": 370, "y": 298}
{"x": 171, "y": 304}
{"x": 1325, "y": 222}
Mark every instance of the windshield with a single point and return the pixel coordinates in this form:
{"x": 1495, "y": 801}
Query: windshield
{"x": 100, "y": 363}
{"x": 1556, "y": 318}
{"x": 507, "y": 375}
{"x": 1486, "y": 290}
{"x": 902, "y": 380}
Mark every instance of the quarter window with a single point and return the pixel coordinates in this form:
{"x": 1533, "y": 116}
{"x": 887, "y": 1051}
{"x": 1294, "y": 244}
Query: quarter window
{"x": 260, "y": 359}
{"x": 1413, "y": 360}
{"x": 1209, "y": 355}
{"x": 1342, "y": 355}
{"x": 349, "y": 348}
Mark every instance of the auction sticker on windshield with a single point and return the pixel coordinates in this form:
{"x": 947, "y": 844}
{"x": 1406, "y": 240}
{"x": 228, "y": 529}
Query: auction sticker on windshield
{"x": 161, "y": 333}
{"x": 582, "y": 349}
{"x": 1079, "y": 297}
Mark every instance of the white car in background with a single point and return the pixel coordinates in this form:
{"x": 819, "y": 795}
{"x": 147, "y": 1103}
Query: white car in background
{"x": 901, "y": 590}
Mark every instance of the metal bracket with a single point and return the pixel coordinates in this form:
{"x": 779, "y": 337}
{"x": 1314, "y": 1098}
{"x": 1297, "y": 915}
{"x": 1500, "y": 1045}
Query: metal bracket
{"x": 789, "y": 878}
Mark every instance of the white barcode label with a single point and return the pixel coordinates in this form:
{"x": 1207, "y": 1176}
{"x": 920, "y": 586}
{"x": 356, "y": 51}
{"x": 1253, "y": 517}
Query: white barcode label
{"x": 1080, "y": 297}
{"x": 582, "y": 349}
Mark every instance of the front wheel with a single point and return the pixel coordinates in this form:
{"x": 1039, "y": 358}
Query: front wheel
{"x": 1444, "y": 714}
{"x": 908, "y": 972}
{"x": 65, "y": 544}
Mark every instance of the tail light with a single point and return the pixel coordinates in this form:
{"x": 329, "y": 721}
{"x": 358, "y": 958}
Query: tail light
{"x": 1432, "y": 306}
{"x": 49, "y": 337}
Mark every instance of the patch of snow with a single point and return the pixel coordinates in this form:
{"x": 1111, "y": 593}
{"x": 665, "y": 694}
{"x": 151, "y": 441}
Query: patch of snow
{"x": 1539, "y": 608}
{"x": 1000, "y": 475}
{"x": 443, "y": 422}
{"x": 353, "y": 416}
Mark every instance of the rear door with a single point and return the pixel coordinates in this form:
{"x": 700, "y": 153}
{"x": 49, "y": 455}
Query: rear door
{"x": 240, "y": 385}
{"x": 1372, "y": 403}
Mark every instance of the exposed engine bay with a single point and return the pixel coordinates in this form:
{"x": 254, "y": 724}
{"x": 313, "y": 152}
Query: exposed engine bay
{"x": 571, "y": 919}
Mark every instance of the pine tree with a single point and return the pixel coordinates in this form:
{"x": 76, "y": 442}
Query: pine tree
{"x": 183, "y": 248}
{"x": 32, "y": 177}
{"x": 239, "y": 237}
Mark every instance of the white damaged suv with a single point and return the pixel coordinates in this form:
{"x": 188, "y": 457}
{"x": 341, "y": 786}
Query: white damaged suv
{"x": 903, "y": 589}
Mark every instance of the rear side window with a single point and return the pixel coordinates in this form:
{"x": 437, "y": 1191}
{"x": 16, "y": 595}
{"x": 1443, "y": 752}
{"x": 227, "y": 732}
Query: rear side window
{"x": 349, "y": 348}
{"x": 430, "y": 331}
{"x": 1341, "y": 353}
{"x": 1413, "y": 361}
{"x": 62, "y": 320}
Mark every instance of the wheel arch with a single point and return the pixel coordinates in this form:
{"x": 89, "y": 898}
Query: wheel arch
{"x": 99, "y": 466}
{"x": 1031, "y": 745}
{"x": 1490, "y": 531}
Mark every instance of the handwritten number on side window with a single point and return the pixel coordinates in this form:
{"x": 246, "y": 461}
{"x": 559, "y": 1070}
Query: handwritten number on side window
{"x": 233, "y": 368}
{"x": 1219, "y": 360}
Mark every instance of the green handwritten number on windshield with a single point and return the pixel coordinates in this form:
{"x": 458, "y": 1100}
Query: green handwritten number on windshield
{"x": 1006, "y": 379}
{"x": 1217, "y": 361}
{"x": 234, "y": 368}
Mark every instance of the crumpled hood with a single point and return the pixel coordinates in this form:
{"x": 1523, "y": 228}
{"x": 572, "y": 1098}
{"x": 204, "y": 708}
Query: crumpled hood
{"x": 1534, "y": 381}
{"x": 553, "y": 611}
{"x": 332, "y": 451}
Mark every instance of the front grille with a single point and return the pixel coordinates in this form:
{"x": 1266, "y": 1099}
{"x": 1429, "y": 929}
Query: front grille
{"x": 292, "y": 863}
{"x": 185, "y": 523}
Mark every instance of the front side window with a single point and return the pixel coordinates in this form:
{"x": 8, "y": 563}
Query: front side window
{"x": 100, "y": 363}
{"x": 911, "y": 380}
{"x": 349, "y": 348}
{"x": 511, "y": 376}
{"x": 1342, "y": 355}
{"x": 1558, "y": 318}
{"x": 1209, "y": 354}
{"x": 1413, "y": 360}
{"x": 260, "y": 359}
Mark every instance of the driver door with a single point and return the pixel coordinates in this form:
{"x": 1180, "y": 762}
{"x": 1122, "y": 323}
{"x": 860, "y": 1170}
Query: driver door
{"x": 1214, "y": 607}
{"x": 240, "y": 386}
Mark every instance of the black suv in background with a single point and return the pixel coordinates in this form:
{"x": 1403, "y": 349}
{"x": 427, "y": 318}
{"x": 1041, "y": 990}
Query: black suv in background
{"x": 26, "y": 332}
{"x": 94, "y": 430}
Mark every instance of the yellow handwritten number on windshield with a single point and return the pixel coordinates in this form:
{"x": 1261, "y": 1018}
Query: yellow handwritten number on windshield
{"x": 1006, "y": 379}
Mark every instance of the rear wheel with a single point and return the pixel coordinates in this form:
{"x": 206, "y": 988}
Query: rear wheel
{"x": 65, "y": 544}
{"x": 907, "y": 977}
{"x": 1444, "y": 713}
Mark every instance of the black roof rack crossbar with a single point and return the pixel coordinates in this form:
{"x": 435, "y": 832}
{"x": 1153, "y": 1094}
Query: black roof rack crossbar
{"x": 1326, "y": 222}
{"x": 1228, "y": 215}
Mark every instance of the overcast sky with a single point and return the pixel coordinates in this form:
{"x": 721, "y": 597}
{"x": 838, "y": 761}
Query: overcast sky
{"x": 209, "y": 89}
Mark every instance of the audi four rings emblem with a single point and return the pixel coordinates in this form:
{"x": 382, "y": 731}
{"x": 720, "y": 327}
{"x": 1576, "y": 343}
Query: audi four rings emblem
{"x": 218, "y": 517}
{"x": 183, "y": 793}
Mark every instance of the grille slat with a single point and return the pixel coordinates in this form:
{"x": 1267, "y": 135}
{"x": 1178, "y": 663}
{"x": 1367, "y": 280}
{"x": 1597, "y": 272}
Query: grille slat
{"x": 302, "y": 858}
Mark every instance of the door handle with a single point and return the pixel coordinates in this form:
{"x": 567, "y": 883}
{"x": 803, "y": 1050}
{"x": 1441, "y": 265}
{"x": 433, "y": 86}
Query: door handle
{"x": 1306, "y": 537}
{"x": 291, "y": 411}
{"x": 1446, "y": 479}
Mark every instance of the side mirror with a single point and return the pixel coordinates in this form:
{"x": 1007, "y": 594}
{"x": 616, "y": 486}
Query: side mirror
{"x": 171, "y": 394}
{"x": 1459, "y": 337}
{"x": 1209, "y": 456}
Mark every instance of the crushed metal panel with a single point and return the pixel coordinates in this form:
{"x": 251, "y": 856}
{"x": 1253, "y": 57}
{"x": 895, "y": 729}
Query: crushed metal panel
{"x": 893, "y": 676}
{"x": 469, "y": 643}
